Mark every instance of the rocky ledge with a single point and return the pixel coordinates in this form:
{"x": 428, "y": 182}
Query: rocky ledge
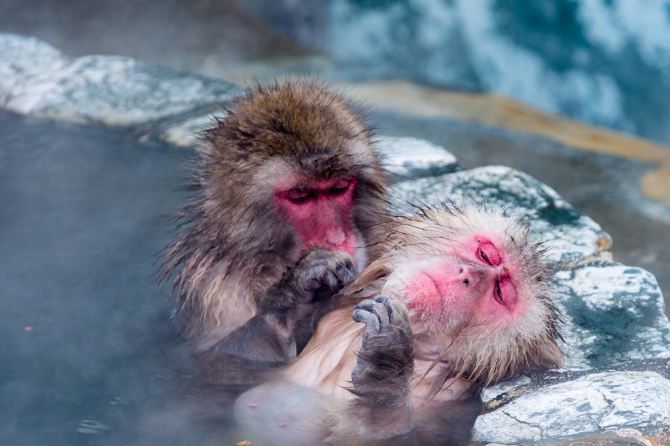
{"x": 615, "y": 385}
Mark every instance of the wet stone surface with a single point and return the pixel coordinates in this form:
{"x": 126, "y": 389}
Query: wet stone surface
{"x": 568, "y": 235}
{"x": 612, "y": 313}
{"x": 112, "y": 90}
{"x": 596, "y": 402}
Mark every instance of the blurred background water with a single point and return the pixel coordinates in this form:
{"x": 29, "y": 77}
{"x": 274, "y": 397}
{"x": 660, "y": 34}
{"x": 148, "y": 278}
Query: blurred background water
{"x": 603, "y": 61}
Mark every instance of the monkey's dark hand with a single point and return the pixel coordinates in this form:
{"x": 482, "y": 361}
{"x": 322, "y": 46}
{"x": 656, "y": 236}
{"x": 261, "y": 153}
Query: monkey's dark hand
{"x": 386, "y": 359}
{"x": 319, "y": 274}
{"x": 382, "y": 373}
{"x": 322, "y": 273}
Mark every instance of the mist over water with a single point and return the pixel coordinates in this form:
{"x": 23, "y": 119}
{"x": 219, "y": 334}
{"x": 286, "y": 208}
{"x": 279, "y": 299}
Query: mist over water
{"x": 89, "y": 354}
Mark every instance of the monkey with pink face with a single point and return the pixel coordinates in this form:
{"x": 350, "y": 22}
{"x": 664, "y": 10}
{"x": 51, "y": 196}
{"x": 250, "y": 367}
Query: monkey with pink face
{"x": 288, "y": 193}
{"x": 457, "y": 300}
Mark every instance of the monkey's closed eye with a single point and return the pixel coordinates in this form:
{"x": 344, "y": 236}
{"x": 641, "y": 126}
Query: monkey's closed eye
{"x": 339, "y": 188}
{"x": 299, "y": 196}
{"x": 482, "y": 255}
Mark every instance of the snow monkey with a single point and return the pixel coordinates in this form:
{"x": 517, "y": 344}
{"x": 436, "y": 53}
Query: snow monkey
{"x": 458, "y": 300}
{"x": 288, "y": 192}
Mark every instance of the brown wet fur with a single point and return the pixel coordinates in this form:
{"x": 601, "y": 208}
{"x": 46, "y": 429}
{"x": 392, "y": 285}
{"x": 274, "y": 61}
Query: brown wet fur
{"x": 233, "y": 245}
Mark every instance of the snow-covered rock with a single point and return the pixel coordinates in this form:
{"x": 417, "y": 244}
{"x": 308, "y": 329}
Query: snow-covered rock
{"x": 407, "y": 158}
{"x": 593, "y": 403}
{"x": 112, "y": 90}
{"x": 568, "y": 235}
{"x": 612, "y": 313}
{"x": 25, "y": 60}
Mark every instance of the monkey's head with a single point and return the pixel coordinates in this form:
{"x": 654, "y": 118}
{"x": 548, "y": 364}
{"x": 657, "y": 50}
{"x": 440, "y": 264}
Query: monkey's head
{"x": 477, "y": 292}
{"x": 290, "y": 167}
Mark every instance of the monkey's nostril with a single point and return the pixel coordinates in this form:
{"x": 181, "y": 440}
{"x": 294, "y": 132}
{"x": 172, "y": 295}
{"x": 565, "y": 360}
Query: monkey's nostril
{"x": 466, "y": 282}
{"x": 497, "y": 293}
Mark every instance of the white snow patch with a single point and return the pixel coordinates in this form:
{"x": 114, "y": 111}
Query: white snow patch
{"x": 403, "y": 155}
{"x": 601, "y": 401}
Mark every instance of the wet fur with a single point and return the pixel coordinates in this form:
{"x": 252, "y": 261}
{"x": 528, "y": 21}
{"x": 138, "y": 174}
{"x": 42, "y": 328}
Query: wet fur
{"x": 469, "y": 360}
{"x": 233, "y": 246}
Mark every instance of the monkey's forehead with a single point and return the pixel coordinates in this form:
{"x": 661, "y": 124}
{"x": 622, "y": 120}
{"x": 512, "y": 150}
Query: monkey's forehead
{"x": 453, "y": 226}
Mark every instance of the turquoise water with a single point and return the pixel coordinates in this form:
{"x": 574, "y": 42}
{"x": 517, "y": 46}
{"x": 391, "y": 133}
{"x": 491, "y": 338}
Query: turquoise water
{"x": 603, "y": 61}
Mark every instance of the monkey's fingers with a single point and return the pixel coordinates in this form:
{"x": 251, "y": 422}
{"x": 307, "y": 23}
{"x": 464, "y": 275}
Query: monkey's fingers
{"x": 362, "y": 313}
{"x": 330, "y": 280}
{"x": 382, "y": 308}
{"x": 314, "y": 277}
{"x": 345, "y": 272}
{"x": 397, "y": 310}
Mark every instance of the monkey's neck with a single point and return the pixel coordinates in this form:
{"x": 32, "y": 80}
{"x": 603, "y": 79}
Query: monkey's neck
{"x": 429, "y": 385}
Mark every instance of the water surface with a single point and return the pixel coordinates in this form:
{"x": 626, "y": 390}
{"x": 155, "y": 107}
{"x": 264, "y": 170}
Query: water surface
{"x": 88, "y": 352}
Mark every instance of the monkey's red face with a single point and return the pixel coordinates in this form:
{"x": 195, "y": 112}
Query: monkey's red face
{"x": 320, "y": 211}
{"x": 476, "y": 277}
{"x": 475, "y": 289}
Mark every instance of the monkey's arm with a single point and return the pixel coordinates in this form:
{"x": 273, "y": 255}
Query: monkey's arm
{"x": 286, "y": 312}
{"x": 382, "y": 408}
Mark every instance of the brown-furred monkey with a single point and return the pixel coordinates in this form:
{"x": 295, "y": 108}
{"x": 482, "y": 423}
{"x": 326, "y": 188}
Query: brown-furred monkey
{"x": 458, "y": 300}
{"x": 288, "y": 192}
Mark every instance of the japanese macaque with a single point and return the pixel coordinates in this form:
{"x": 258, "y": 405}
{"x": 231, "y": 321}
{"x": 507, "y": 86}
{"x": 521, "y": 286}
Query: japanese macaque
{"x": 458, "y": 300}
{"x": 288, "y": 191}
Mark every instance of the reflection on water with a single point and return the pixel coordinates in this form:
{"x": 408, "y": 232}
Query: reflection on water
{"x": 89, "y": 354}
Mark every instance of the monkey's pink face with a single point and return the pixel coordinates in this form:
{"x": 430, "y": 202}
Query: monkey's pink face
{"x": 321, "y": 212}
{"x": 477, "y": 292}
{"x": 475, "y": 280}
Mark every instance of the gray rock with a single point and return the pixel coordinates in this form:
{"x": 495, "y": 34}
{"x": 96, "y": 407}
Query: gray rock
{"x": 613, "y": 319}
{"x": 568, "y": 235}
{"x": 112, "y": 90}
{"x": 185, "y": 133}
{"x": 612, "y": 313}
{"x": 593, "y": 403}
{"x": 407, "y": 158}
{"x": 25, "y": 60}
